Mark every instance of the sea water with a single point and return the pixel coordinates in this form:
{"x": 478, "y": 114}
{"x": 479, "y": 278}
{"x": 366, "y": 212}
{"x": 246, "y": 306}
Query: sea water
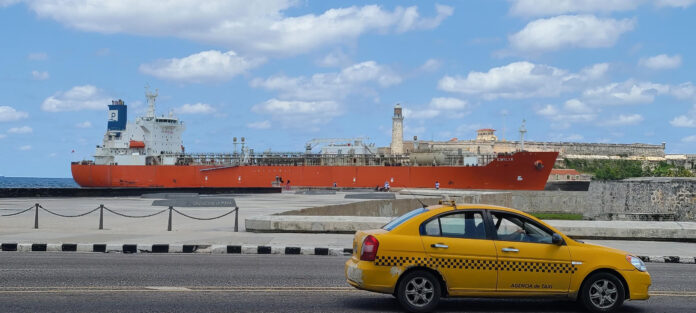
{"x": 36, "y": 182}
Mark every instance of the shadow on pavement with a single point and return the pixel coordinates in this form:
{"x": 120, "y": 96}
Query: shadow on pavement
{"x": 390, "y": 304}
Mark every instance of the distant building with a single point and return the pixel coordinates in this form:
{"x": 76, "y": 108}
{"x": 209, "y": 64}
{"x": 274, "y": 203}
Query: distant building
{"x": 487, "y": 143}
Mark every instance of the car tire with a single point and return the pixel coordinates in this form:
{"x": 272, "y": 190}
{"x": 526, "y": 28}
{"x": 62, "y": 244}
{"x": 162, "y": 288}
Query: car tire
{"x": 419, "y": 291}
{"x": 602, "y": 292}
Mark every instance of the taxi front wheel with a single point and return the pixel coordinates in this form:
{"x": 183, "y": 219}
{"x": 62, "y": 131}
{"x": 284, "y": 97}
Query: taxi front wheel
{"x": 602, "y": 292}
{"x": 419, "y": 291}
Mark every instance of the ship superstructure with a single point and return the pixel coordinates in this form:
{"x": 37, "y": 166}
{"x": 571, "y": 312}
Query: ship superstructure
{"x": 151, "y": 140}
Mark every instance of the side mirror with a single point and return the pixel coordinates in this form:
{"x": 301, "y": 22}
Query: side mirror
{"x": 556, "y": 239}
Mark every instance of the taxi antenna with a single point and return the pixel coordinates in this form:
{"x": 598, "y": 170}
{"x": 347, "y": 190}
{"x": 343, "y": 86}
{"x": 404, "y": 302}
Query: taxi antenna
{"x": 419, "y": 201}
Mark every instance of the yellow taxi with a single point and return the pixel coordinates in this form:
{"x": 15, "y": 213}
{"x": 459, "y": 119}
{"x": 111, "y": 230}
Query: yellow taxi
{"x": 489, "y": 251}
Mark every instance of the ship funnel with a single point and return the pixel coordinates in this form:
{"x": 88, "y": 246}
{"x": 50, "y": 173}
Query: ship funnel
{"x": 118, "y": 115}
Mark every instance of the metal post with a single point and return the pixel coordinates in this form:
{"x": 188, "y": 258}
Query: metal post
{"x": 169, "y": 226}
{"x": 101, "y": 216}
{"x": 36, "y": 216}
{"x": 236, "y": 219}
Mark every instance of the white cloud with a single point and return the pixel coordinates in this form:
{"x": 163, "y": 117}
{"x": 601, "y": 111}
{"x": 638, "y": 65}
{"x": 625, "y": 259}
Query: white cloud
{"x": 675, "y": 3}
{"x": 8, "y": 114}
{"x": 334, "y": 59}
{"x": 661, "y": 62}
{"x": 577, "y": 106}
{"x": 569, "y": 31}
{"x": 410, "y": 131}
{"x": 196, "y": 108}
{"x": 686, "y": 120}
{"x": 683, "y": 121}
{"x": 260, "y": 125}
{"x": 85, "y": 124}
{"x": 37, "y": 56}
{"x": 86, "y": 97}
{"x": 25, "y": 148}
{"x": 521, "y": 80}
{"x": 683, "y": 91}
{"x": 573, "y": 111}
{"x": 447, "y": 107}
{"x": 40, "y": 75}
{"x": 3, "y": 136}
{"x": 448, "y": 104}
{"x": 324, "y": 90}
{"x": 20, "y": 130}
{"x": 431, "y": 65}
{"x": 259, "y": 26}
{"x": 530, "y": 8}
{"x": 299, "y": 114}
{"x": 331, "y": 86}
{"x": 557, "y": 7}
{"x": 691, "y": 138}
{"x": 420, "y": 114}
{"x": 205, "y": 66}
{"x": 623, "y": 120}
{"x": 628, "y": 92}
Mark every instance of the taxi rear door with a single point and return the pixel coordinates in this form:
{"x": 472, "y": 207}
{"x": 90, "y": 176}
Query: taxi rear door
{"x": 459, "y": 248}
{"x": 527, "y": 260}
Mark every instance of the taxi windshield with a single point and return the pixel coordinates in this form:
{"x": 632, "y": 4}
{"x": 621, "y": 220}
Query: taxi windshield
{"x": 397, "y": 221}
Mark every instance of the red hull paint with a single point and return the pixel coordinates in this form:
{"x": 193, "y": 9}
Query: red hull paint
{"x": 503, "y": 173}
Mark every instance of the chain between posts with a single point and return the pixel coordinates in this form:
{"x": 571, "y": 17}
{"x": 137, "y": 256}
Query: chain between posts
{"x": 17, "y": 213}
{"x": 101, "y": 209}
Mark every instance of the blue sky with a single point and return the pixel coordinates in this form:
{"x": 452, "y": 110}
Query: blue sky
{"x": 283, "y": 72}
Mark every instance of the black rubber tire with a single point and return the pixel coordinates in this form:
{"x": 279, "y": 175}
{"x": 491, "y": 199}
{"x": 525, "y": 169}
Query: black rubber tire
{"x": 587, "y": 285}
{"x": 427, "y": 276}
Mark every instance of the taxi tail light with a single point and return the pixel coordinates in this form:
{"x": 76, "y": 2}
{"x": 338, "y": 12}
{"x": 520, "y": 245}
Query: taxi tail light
{"x": 369, "y": 248}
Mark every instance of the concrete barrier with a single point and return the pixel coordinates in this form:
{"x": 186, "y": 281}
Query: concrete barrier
{"x": 619, "y": 230}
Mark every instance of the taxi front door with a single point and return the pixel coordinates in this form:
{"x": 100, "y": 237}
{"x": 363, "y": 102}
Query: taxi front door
{"x": 457, "y": 247}
{"x": 527, "y": 260}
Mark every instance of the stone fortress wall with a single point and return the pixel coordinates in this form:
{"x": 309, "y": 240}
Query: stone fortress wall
{"x": 487, "y": 142}
{"x": 648, "y": 198}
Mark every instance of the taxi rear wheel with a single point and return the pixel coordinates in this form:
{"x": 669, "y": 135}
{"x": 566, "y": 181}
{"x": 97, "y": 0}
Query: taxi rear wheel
{"x": 419, "y": 291}
{"x": 602, "y": 292}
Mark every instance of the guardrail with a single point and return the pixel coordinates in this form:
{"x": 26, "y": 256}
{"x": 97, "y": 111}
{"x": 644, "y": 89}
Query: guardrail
{"x": 101, "y": 208}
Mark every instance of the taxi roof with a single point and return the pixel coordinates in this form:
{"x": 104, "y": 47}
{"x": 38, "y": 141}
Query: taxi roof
{"x": 472, "y": 206}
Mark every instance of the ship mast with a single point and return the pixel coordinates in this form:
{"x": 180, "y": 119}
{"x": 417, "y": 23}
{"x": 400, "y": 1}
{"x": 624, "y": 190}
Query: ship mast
{"x": 150, "y": 102}
{"x": 523, "y": 130}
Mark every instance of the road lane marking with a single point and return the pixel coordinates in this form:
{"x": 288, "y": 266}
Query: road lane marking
{"x": 168, "y": 288}
{"x": 7, "y": 290}
{"x": 249, "y": 289}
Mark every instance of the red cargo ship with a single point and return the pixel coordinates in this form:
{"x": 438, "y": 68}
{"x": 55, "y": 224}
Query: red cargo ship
{"x": 149, "y": 153}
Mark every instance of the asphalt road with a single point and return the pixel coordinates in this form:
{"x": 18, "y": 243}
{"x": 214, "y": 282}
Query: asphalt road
{"x": 74, "y": 282}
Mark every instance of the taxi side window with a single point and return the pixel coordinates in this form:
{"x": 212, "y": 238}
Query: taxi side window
{"x": 460, "y": 225}
{"x": 510, "y": 227}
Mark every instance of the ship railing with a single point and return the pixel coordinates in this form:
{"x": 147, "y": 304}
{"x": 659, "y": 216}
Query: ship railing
{"x": 299, "y": 158}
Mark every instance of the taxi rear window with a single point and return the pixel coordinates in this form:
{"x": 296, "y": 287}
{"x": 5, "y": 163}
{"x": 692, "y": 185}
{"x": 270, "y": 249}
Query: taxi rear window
{"x": 399, "y": 220}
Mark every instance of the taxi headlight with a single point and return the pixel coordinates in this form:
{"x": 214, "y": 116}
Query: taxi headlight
{"x": 636, "y": 262}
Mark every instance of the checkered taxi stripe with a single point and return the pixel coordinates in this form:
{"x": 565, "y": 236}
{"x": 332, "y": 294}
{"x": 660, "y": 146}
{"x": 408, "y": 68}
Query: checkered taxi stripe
{"x": 476, "y": 264}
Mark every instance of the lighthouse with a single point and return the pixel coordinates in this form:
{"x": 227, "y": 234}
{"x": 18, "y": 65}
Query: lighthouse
{"x": 397, "y": 143}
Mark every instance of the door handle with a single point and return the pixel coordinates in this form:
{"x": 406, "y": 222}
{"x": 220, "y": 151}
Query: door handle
{"x": 439, "y": 245}
{"x": 510, "y": 250}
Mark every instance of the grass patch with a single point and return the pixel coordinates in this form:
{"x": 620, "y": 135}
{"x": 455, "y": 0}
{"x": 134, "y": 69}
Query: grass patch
{"x": 558, "y": 216}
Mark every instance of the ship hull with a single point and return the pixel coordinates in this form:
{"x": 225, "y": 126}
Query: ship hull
{"x": 520, "y": 171}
